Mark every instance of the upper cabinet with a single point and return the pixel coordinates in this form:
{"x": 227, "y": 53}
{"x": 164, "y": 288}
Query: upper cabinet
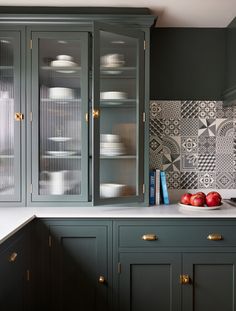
{"x": 87, "y": 82}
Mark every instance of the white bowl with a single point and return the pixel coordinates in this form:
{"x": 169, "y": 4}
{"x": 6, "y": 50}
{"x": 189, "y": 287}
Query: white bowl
{"x": 65, "y": 57}
{"x": 111, "y": 190}
{"x": 109, "y": 138}
{"x": 113, "y": 95}
{"x": 61, "y": 93}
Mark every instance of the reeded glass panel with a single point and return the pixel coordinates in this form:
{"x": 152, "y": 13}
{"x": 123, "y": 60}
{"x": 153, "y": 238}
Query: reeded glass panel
{"x": 7, "y": 169}
{"x": 118, "y": 120}
{"x": 60, "y": 117}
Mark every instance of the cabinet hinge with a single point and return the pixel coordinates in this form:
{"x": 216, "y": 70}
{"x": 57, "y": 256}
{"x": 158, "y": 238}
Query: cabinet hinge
{"x": 87, "y": 117}
{"x": 49, "y": 241}
{"x": 143, "y": 188}
{"x": 31, "y": 188}
{"x": 119, "y": 267}
{"x": 31, "y": 116}
{"x": 144, "y": 45}
{"x": 31, "y": 44}
{"x": 28, "y": 275}
{"x": 144, "y": 116}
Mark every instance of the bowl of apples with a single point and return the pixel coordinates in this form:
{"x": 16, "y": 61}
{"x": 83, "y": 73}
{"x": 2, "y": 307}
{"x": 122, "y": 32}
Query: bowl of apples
{"x": 201, "y": 201}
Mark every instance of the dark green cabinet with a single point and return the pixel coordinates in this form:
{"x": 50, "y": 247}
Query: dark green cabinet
{"x": 15, "y": 273}
{"x": 149, "y": 281}
{"x": 80, "y": 264}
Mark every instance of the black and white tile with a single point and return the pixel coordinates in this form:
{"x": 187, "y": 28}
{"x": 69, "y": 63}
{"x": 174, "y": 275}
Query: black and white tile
{"x": 171, "y": 127}
{"x": 189, "y": 127}
{"x": 188, "y": 180}
{"x": 206, "y": 144}
{"x": 171, "y": 109}
{"x": 155, "y": 110}
{"x": 189, "y": 162}
{"x": 155, "y": 144}
{"x": 206, "y": 127}
{"x": 224, "y": 162}
{"x": 155, "y": 161}
{"x": 224, "y": 127}
{"x": 207, "y": 109}
{"x": 173, "y": 180}
{"x": 171, "y": 162}
{"x": 225, "y": 180}
{"x": 189, "y": 109}
{"x": 224, "y": 144}
{"x": 171, "y": 144}
{"x": 156, "y": 127}
{"x": 223, "y": 112}
{"x": 206, "y": 180}
{"x": 206, "y": 162}
{"x": 189, "y": 144}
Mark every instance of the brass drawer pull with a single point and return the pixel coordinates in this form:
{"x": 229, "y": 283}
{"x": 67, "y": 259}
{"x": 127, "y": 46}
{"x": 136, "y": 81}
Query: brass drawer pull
{"x": 19, "y": 116}
{"x": 12, "y": 257}
{"x": 184, "y": 279}
{"x": 214, "y": 237}
{"x": 96, "y": 114}
{"x": 101, "y": 279}
{"x": 149, "y": 237}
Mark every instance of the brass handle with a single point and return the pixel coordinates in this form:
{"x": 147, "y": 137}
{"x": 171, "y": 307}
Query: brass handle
{"x": 149, "y": 237}
{"x": 96, "y": 114}
{"x": 12, "y": 257}
{"x": 19, "y": 116}
{"x": 184, "y": 279}
{"x": 101, "y": 279}
{"x": 215, "y": 237}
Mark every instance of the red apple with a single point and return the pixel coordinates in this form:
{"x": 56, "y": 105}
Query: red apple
{"x": 197, "y": 200}
{"x": 215, "y": 193}
{"x": 213, "y": 199}
{"x": 202, "y": 194}
{"x": 185, "y": 199}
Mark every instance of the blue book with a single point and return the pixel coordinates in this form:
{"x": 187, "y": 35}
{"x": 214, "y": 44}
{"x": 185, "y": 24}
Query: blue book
{"x": 152, "y": 188}
{"x": 164, "y": 189}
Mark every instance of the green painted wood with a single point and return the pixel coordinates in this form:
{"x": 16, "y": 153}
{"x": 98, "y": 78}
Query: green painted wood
{"x": 149, "y": 281}
{"x": 139, "y": 35}
{"x": 19, "y": 129}
{"x": 79, "y": 255}
{"x": 14, "y": 288}
{"x": 213, "y": 282}
{"x": 66, "y": 35}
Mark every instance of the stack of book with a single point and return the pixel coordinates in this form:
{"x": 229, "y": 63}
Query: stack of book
{"x": 158, "y": 192}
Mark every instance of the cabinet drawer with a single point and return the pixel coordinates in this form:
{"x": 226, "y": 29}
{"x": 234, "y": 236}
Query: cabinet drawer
{"x": 173, "y": 235}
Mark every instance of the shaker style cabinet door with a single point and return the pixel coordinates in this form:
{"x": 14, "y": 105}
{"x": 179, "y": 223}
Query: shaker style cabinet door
{"x": 211, "y": 285}
{"x": 59, "y": 107}
{"x": 149, "y": 281}
{"x": 11, "y": 117}
{"x": 118, "y": 106}
{"x": 79, "y": 267}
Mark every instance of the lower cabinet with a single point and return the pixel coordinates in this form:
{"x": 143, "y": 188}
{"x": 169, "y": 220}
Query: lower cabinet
{"x": 15, "y": 273}
{"x": 80, "y": 265}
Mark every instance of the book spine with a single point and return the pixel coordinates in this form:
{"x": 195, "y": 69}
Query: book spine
{"x": 164, "y": 188}
{"x": 152, "y": 187}
{"x": 158, "y": 187}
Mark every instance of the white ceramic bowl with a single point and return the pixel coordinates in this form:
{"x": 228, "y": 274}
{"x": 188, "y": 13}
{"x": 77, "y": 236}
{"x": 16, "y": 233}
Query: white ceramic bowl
{"x": 109, "y": 138}
{"x": 65, "y": 57}
{"x": 113, "y": 95}
{"x": 111, "y": 190}
{"x": 61, "y": 93}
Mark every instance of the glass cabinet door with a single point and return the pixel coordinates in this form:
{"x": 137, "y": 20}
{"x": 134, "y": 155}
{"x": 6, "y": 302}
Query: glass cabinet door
{"x": 10, "y": 124}
{"x": 118, "y": 114}
{"x": 59, "y": 105}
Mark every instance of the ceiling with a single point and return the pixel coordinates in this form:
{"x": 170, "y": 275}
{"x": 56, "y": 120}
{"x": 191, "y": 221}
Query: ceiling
{"x": 171, "y": 13}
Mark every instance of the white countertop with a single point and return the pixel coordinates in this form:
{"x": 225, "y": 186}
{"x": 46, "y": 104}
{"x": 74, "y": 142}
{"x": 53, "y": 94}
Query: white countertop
{"x": 14, "y": 218}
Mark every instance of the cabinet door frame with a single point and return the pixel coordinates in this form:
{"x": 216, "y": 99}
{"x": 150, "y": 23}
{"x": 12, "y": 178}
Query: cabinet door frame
{"x": 140, "y": 86}
{"x": 67, "y": 34}
{"x": 127, "y": 259}
{"x": 210, "y": 258}
{"x": 18, "y": 34}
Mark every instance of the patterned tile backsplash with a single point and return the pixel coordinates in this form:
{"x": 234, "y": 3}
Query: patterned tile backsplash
{"x": 194, "y": 142}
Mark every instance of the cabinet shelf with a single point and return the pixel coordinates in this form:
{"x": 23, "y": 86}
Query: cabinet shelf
{"x": 6, "y": 156}
{"x": 117, "y": 103}
{"x": 58, "y": 69}
{"x": 122, "y": 157}
{"x": 60, "y": 101}
{"x": 61, "y": 157}
{"x": 6, "y": 67}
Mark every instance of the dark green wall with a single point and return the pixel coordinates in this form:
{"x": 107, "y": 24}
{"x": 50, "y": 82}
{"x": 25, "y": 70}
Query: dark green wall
{"x": 187, "y": 63}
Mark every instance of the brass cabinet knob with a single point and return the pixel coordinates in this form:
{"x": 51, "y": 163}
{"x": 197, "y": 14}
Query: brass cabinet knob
{"x": 101, "y": 279}
{"x": 19, "y": 116}
{"x": 12, "y": 257}
{"x": 184, "y": 279}
{"x": 95, "y": 114}
{"x": 215, "y": 237}
{"x": 149, "y": 237}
